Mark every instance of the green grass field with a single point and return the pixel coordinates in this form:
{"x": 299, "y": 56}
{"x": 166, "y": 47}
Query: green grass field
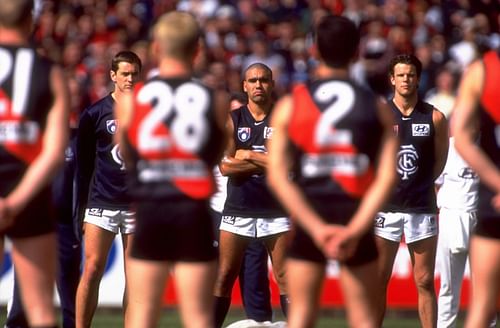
{"x": 111, "y": 318}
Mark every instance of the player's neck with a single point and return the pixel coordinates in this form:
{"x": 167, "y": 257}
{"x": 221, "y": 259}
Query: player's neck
{"x": 405, "y": 104}
{"x": 259, "y": 111}
{"x": 12, "y": 37}
{"x": 326, "y": 72}
{"x": 170, "y": 67}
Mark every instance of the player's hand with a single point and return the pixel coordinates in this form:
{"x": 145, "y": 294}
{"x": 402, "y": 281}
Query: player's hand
{"x": 6, "y": 215}
{"x": 342, "y": 244}
{"x": 495, "y": 202}
{"x": 243, "y": 154}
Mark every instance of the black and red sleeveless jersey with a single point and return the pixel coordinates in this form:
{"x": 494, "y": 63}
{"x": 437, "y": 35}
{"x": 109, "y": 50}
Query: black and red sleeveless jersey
{"x": 174, "y": 140}
{"x": 336, "y": 133}
{"x": 414, "y": 192}
{"x": 490, "y": 125}
{"x": 25, "y": 100}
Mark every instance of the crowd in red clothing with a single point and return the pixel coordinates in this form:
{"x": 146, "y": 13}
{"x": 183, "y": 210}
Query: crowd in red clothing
{"x": 83, "y": 35}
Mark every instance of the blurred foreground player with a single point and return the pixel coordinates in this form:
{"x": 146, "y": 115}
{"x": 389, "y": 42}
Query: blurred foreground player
{"x": 171, "y": 136}
{"x": 34, "y": 112}
{"x": 337, "y": 139}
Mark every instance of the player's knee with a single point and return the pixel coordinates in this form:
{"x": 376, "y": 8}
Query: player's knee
{"x": 225, "y": 281}
{"x": 424, "y": 281}
{"x": 93, "y": 270}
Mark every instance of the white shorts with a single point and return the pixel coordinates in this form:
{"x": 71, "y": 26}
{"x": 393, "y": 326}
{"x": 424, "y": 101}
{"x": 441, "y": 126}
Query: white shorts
{"x": 114, "y": 221}
{"x": 254, "y": 227}
{"x": 416, "y": 226}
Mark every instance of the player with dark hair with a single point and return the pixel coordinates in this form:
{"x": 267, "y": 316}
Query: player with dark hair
{"x": 172, "y": 136}
{"x": 251, "y": 211}
{"x": 102, "y": 191}
{"x": 478, "y": 102}
{"x": 412, "y": 210}
{"x": 336, "y": 138}
{"x": 34, "y": 115}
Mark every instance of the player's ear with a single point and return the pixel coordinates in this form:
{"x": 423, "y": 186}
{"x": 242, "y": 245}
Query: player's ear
{"x": 112, "y": 76}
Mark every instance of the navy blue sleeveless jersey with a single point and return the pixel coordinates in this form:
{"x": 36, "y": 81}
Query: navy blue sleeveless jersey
{"x": 335, "y": 133}
{"x": 249, "y": 196}
{"x": 174, "y": 141}
{"x": 25, "y": 100}
{"x": 414, "y": 192}
{"x": 100, "y": 171}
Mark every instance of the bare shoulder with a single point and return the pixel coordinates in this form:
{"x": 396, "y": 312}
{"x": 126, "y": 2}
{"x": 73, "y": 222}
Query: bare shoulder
{"x": 282, "y": 111}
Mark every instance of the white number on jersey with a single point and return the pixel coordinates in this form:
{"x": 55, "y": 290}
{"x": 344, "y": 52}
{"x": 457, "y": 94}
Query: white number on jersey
{"x": 188, "y": 129}
{"x": 340, "y": 99}
{"x": 21, "y": 68}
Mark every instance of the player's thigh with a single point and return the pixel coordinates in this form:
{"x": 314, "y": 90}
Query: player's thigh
{"x": 423, "y": 258}
{"x": 97, "y": 243}
{"x": 194, "y": 285}
{"x": 359, "y": 288}
{"x": 277, "y": 246}
{"x": 231, "y": 250}
{"x": 305, "y": 280}
{"x": 485, "y": 265}
{"x": 387, "y": 251}
{"x": 35, "y": 261}
{"x": 145, "y": 286}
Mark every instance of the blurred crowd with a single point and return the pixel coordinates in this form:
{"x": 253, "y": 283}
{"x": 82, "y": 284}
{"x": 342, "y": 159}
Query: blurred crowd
{"x": 446, "y": 35}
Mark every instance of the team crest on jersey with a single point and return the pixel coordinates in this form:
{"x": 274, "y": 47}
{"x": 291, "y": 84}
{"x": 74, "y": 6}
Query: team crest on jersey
{"x": 268, "y": 132}
{"x": 420, "y": 130}
{"x": 95, "y": 212}
{"x": 407, "y": 161}
{"x": 244, "y": 134}
{"x": 111, "y": 126}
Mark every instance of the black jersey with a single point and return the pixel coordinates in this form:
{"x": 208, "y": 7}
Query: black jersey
{"x": 101, "y": 178}
{"x": 336, "y": 134}
{"x": 249, "y": 196}
{"x": 174, "y": 140}
{"x": 25, "y": 100}
{"x": 414, "y": 192}
{"x": 490, "y": 128}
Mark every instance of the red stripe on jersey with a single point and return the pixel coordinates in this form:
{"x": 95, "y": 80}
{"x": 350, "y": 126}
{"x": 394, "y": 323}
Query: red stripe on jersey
{"x": 489, "y": 97}
{"x": 305, "y": 116}
{"x": 27, "y": 152}
{"x": 197, "y": 189}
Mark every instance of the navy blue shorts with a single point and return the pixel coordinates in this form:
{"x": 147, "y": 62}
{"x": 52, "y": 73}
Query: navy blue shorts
{"x": 36, "y": 219}
{"x": 303, "y": 247}
{"x": 179, "y": 230}
{"x": 488, "y": 227}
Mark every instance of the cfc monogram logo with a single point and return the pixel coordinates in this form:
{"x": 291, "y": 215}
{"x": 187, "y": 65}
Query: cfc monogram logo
{"x": 407, "y": 161}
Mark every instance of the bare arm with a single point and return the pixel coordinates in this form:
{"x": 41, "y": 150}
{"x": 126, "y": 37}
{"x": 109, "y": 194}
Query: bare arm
{"x": 286, "y": 191}
{"x": 464, "y": 128}
{"x": 232, "y": 164}
{"x": 123, "y": 112}
{"x": 441, "y": 142}
{"x": 54, "y": 141}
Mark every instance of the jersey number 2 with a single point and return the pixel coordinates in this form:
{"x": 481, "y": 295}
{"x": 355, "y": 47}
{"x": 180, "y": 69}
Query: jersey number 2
{"x": 339, "y": 96}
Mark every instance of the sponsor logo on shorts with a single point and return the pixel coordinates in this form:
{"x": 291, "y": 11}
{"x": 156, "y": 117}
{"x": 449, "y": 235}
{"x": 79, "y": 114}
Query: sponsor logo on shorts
{"x": 244, "y": 133}
{"x": 420, "y": 130}
{"x": 467, "y": 173}
{"x": 379, "y": 222}
{"x": 95, "y": 212}
{"x": 228, "y": 219}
